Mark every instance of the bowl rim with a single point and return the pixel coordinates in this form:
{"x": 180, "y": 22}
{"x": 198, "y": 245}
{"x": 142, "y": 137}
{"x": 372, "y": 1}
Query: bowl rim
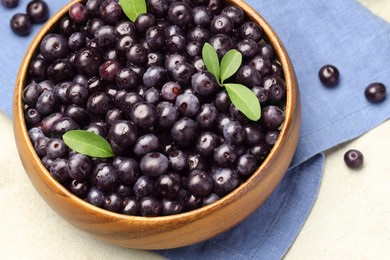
{"x": 290, "y": 107}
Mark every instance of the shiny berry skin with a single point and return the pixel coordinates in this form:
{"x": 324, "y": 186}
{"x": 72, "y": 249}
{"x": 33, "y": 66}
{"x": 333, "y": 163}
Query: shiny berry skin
{"x": 47, "y": 122}
{"x": 56, "y": 148}
{"x": 168, "y": 185}
{"x": 110, "y": 11}
{"x": 10, "y": 3}
{"x": 221, "y": 24}
{"x": 204, "y": 83}
{"x": 37, "y": 69}
{"x": 211, "y": 198}
{"x": 199, "y": 183}
{"x": 329, "y": 75}
{"x": 270, "y": 137}
{"x": 128, "y": 101}
{"x": 254, "y": 134}
{"x": 222, "y": 44}
{"x": 79, "y": 188}
{"x": 178, "y": 160}
{"x": 225, "y": 180}
{"x": 150, "y": 207}
{"x": 123, "y": 133}
{"x": 31, "y": 94}
{"x": 99, "y": 103}
{"x": 78, "y": 114}
{"x": 260, "y": 151}
{"x": 167, "y": 114}
{"x": 125, "y": 27}
{"x": 248, "y": 48}
{"x": 105, "y": 35}
{"x": 105, "y": 176}
{"x": 79, "y": 167}
{"x": 158, "y": 8}
{"x": 222, "y": 101}
{"x": 144, "y": 186}
{"x": 130, "y": 206}
{"x": 154, "y": 164}
{"x": 46, "y": 103}
{"x": 251, "y": 30}
{"x": 113, "y": 202}
{"x": 198, "y": 34}
{"x": 63, "y": 125}
{"x": 155, "y": 37}
{"x": 35, "y": 133}
{"x": 202, "y": 16}
{"x": 77, "y": 40}
{"x": 183, "y": 72}
{"x": 237, "y": 115}
{"x": 206, "y": 143}
{"x": 193, "y": 49}
{"x": 174, "y": 59}
{"x": 144, "y": 22}
{"x": 54, "y": 46}
{"x": 171, "y": 207}
{"x": 225, "y": 155}
{"x": 95, "y": 197}
{"x": 40, "y": 146}
{"x": 272, "y": 117}
{"x": 170, "y": 90}
{"x": 262, "y": 64}
{"x": 32, "y": 116}
{"x": 235, "y": 13}
{"x": 267, "y": 51}
{"x": 234, "y": 133}
{"x": 78, "y": 13}
{"x": 375, "y": 92}
{"x": 155, "y": 76}
{"x": 143, "y": 115}
{"x": 180, "y": 14}
{"x": 246, "y": 165}
{"x": 248, "y": 76}
{"x": 88, "y": 61}
{"x": 109, "y": 69}
{"x": 59, "y": 170}
{"x": 354, "y": 159}
{"x": 77, "y": 94}
{"x": 38, "y": 11}
{"x": 126, "y": 79}
{"x": 207, "y": 116}
{"x": 184, "y": 131}
{"x": 146, "y": 144}
{"x": 60, "y": 70}
{"x": 21, "y": 24}
{"x": 187, "y": 104}
{"x": 137, "y": 54}
{"x": 175, "y": 43}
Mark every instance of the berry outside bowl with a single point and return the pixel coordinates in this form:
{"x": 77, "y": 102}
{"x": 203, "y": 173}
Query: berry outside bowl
{"x": 166, "y": 231}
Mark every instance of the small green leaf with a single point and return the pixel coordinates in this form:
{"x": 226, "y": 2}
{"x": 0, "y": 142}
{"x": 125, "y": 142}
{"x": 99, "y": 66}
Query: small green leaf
{"x": 245, "y": 100}
{"x": 88, "y": 143}
{"x": 230, "y": 63}
{"x": 210, "y": 59}
{"x": 133, "y": 8}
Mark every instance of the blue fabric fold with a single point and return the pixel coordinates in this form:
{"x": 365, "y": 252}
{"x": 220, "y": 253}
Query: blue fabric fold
{"x": 315, "y": 33}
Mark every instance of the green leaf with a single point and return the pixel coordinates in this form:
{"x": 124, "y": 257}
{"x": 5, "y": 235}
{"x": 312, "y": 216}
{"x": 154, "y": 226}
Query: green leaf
{"x": 230, "y": 63}
{"x": 245, "y": 100}
{"x": 210, "y": 59}
{"x": 88, "y": 143}
{"x": 133, "y": 8}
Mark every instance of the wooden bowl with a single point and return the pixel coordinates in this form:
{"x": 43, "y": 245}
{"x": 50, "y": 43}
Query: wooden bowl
{"x": 167, "y": 231}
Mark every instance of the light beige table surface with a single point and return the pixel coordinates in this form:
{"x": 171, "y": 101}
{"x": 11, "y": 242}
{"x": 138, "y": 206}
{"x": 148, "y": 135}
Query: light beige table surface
{"x": 350, "y": 219}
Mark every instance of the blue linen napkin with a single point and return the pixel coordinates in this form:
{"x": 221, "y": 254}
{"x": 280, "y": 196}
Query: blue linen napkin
{"x": 314, "y": 33}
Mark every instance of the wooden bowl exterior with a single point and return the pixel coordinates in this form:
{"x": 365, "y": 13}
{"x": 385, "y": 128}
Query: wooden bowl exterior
{"x": 168, "y": 231}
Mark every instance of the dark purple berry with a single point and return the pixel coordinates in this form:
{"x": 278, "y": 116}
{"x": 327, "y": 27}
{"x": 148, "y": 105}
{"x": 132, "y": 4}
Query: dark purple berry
{"x": 99, "y": 103}
{"x": 251, "y": 30}
{"x": 199, "y": 183}
{"x": 146, "y": 144}
{"x": 150, "y": 207}
{"x": 63, "y": 125}
{"x": 143, "y": 115}
{"x": 184, "y": 131}
{"x": 144, "y": 186}
{"x": 79, "y": 167}
{"x": 154, "y": 164}
{"x": 78, "y": 13}
{"x": 187, "y": 104}
{"x": 329, "y": 75}
{"x": 54, "y": 46}
{"x": 225, "y": 155}
{"x": 10, "y": 3}
{"x": 56, "y": 148}
{"x": 180, "y": 14}
{"x": 123, "y": 133}
{"x": 59, "y": 170}
{"x": 225, "y": 180}
{"x": 21, "y": 24}
{"x": 88, "y": 61}
{"x": 375, "y": 92}
{"x": 110, "y": 11}
{"x": 38, "y": 11}
{"x": 235, "y": 13}
{"x": 354, "y": 159}
{"x": 168, "y": 185}
{"x": 234, "y": 133}
{"x": 206, "y": 143}
{"x": 105, "y": 177}
{"x": 246, "y": 165}
{"x": 272, "y": 117}
{"x": 130, "y": 206}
